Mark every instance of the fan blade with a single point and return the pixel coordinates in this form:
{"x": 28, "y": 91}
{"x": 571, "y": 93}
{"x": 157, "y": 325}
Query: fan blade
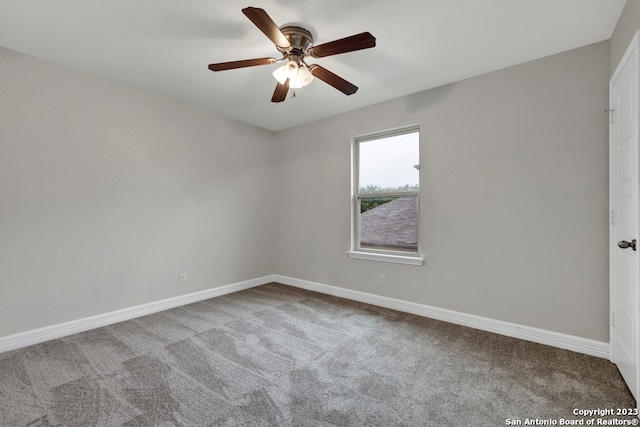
{"x": 332, "y": 79}
{"x": 261, "y": 20}
{"x": 221, "y": 66}
{"x": 347, "y": 44}
{"x": 280, "y": 94}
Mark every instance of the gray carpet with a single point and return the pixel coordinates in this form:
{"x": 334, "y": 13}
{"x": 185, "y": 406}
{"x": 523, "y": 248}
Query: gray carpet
{"x": 281, "y": 356}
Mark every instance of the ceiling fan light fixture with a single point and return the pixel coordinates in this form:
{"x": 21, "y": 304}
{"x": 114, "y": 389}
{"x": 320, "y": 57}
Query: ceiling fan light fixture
{"x": 304, "y": 76}
{"x": 287, "y": 71}
{"x": 291, "y": 69}
{"x": 280, "y": 75}
{"x": 301, "y": 78}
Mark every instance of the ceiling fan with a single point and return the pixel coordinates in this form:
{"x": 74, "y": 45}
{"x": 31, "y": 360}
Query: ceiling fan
{"x": 295, "y": 44}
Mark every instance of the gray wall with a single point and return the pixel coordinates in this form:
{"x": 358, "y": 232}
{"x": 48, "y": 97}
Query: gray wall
{"x": 514, "y": 196}
{"x": 627, "y": 26}
{"x": 108, "y": 193}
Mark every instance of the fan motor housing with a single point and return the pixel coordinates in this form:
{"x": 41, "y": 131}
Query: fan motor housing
{"x": 300, "y": 39}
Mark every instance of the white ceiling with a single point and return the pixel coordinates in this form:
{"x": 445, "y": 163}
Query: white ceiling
{"x": 164, "y": 46}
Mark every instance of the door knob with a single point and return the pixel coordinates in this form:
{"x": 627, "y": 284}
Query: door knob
{"x": 624, "y": 244}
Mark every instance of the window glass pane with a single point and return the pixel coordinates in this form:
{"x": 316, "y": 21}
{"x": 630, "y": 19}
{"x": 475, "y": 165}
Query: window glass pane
{"x": 389, "y": 223}
{"x": 389, "y": 164}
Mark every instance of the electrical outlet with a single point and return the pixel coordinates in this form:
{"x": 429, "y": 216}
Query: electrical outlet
{"x": 182, "y": 278}
{"x": 382, "y": 281}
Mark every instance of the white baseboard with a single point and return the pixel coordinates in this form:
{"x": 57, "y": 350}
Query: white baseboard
{"x": 60, "y": 330}
{"x": 541, "y": 336}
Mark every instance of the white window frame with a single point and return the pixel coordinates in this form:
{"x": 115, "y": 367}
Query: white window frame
{"x": 385, "y": 255}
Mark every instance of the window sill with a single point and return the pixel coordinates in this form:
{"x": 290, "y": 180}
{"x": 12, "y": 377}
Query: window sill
{"x": 398, "y": 259}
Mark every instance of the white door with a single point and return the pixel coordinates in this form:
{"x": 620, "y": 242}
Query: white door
{"x": 623, "y": 179}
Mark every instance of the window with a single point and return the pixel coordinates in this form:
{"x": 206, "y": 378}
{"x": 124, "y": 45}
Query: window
{"x": 386, "y": 175}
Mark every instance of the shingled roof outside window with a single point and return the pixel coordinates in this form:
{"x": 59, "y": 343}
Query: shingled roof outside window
{"x": 392, "y": 225}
